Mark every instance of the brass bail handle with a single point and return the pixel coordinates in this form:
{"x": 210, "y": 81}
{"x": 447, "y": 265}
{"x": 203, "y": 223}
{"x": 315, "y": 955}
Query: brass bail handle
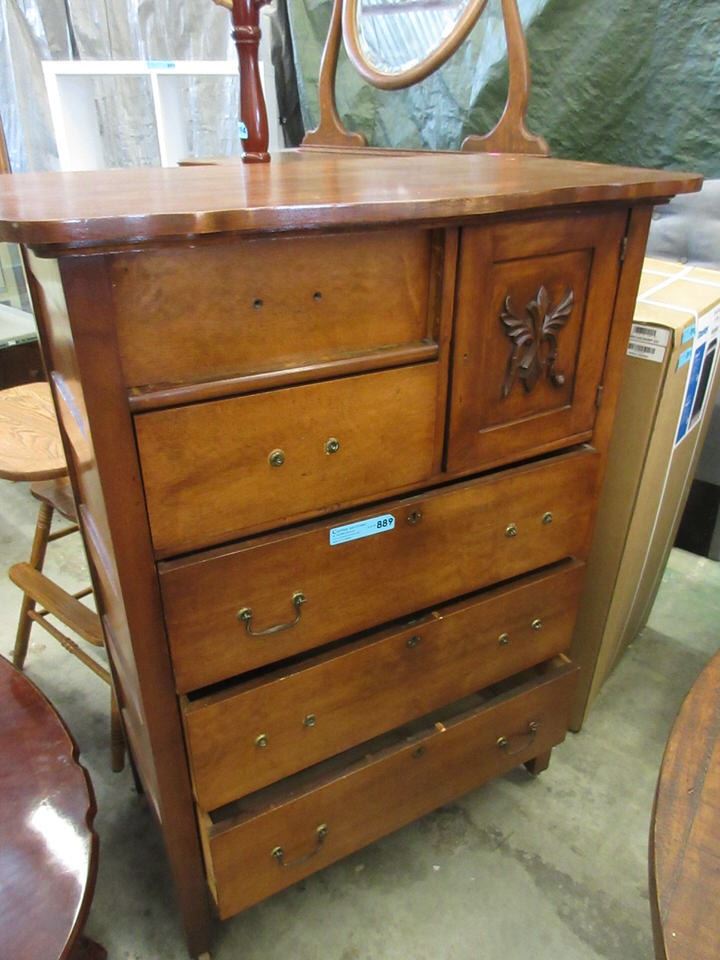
{"x": 279, "y": 854}
{"x": 245, "y": 616}
{"x": 504, "y": 742}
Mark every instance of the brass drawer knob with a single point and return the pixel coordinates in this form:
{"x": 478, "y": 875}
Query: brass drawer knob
{"x": 537, "y": 624}
{"x": 245, "y": 616}
{"x": 310, "y": 720}
{"x": 276, "y": 458}
{"x": 511, "y": 530}
{"x": 332, "y": 445}
{"x": 277, "y": 853}
{"x": 547, "y": 517}
{"x": 261, "y": 740}
{"x": 504, "y": 639}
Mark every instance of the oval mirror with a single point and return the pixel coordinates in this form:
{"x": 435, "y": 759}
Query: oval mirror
{"x": 395, "y": 43}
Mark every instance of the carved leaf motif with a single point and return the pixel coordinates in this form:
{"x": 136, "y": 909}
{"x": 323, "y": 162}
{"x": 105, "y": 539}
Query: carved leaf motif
{"x": 517, "y": 328}
{"x": 531, "y": 333}
{"x": 537, "y": 308}
{"x": 557, "y": 319}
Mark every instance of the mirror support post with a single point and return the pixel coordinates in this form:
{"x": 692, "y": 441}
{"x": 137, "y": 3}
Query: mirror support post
{"x": 254, "y": 131}
{"x": 510, "y": 134}
{"x": 330, "y": 130}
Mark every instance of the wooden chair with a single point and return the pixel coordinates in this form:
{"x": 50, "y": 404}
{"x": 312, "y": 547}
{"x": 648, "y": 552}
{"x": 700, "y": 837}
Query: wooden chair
{"x": 31, "y": 450}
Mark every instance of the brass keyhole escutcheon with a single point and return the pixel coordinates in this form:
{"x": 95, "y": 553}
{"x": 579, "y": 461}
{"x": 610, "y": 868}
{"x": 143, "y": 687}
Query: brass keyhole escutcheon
{"x": 504, "y": 639}
{"x": 418, "y": 752}
{"x": 414, "y": 517}
{"x": 537, "y": 624}
{"x": 276, "y": 458}
{"x": 261, "y": 740}
{"x": 310, "y": 720}
{"x": 412, "y": 642}
{"x": 511, "y": 530}
{"x": 547, "y": 517}
{"x": 332, "y": 445}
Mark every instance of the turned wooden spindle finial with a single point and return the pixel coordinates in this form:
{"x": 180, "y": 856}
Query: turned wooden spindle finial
{"x": 253, "y": 113}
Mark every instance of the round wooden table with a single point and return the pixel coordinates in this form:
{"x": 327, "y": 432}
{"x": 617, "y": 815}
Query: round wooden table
{"x": 685, "y": 830}
{"x": 48, "y": 850}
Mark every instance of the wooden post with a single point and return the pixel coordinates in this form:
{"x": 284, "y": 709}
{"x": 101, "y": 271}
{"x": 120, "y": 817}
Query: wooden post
{"x": 253, "y": 113}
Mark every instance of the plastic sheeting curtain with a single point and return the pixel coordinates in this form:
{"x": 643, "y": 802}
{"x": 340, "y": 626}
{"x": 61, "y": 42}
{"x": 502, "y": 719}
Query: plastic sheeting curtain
{"x": 35, "y": 30}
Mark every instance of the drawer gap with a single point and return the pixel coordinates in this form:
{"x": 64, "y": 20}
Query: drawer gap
{"x": 261, "y": 675}
{"x": 182, "y": 559}
{"x": 306, "y": 781}
{"x": 160, "y": 396}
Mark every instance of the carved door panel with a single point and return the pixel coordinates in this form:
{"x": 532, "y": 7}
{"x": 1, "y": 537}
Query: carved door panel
{"x": 534, "y": 304}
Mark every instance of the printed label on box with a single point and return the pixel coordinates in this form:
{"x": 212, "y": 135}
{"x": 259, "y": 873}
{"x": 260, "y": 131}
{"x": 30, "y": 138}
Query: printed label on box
{"x": 688, "y": 334}
{"x": 644, "y": 333}
{"x": 361, "y": 529}
{"x": 646, "y": 351}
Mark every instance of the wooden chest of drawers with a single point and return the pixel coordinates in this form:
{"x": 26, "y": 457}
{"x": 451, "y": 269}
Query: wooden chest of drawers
{"x": 336, "y": 428}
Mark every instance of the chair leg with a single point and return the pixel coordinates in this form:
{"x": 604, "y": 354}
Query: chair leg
{"x": 117, "y": 737}
{"x": 37, "y": 558}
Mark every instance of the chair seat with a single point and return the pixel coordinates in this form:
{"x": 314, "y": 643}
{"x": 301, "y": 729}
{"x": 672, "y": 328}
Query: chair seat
{"x": 30, "y": 444}
{"x": 58, "y": 493}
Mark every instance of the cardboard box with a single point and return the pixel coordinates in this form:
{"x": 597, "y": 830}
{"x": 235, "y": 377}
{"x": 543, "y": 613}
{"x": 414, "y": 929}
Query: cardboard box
{"x": 670, "y": 379}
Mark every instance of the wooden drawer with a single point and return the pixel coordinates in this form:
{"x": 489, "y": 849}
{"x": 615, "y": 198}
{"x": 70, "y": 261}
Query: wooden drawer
{"x": 436, "y": 546}
{"x": 245, "y": 738}
{"x": 326, "y": 813}
{"x": 238, "y": 307}
{"x": 213, "y": 470}
{"x": 534, "y": 305}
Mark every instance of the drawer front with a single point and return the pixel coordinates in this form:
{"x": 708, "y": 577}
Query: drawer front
{"x": 434, "y": 547}
{"x": 533, "y": 312}
{"x": 381, "y": 791}
{"x": 253, "y": 735}
{"x": 213, "y": 470}
{"x": 226, "y": 309}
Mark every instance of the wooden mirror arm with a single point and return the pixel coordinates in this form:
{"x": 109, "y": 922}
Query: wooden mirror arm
{"x": 510, "y": 134}
{"x": 330, "y": 130}
{"x": 253, "y": 113}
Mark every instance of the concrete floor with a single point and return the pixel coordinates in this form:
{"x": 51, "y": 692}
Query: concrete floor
{"x": 548, "y": 868}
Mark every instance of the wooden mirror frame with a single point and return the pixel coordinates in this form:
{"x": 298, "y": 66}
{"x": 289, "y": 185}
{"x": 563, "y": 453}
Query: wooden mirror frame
{"x": 429, "y": 64}
{"x": 509, "y": 135}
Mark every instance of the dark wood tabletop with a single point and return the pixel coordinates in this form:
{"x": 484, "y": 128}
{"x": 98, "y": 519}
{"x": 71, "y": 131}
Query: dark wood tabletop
{"x": 48, "y": 850}
{"x": 685, "y": 830}
{"x": 306, "y": 189}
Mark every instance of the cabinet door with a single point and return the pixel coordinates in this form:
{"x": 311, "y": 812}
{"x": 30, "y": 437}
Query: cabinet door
{"x": 534, "y": 307}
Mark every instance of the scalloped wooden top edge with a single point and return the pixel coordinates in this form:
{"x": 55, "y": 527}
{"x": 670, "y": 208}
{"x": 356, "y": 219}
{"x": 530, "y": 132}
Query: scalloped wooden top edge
{"x": 303, "y": 190}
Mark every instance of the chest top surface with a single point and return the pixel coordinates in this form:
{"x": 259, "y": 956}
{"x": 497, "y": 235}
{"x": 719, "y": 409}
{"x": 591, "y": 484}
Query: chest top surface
{"x": 305, "y": 190}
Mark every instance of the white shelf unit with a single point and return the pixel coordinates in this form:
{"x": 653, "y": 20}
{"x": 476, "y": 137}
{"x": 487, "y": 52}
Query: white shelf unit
{"x": 71, "y": 93}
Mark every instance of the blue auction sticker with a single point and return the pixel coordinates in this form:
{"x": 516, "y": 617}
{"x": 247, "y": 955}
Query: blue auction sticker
{"x": 361, "y": 529}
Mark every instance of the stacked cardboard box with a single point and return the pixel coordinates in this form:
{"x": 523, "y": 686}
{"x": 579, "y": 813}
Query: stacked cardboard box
{"x": 670, "y": 379}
